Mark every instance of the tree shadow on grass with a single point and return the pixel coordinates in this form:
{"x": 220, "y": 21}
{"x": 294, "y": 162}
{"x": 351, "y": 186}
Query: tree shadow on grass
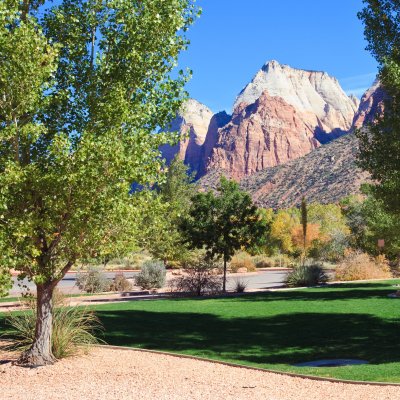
{"x": 330, "y": 292}
{"x": 284, "y": 338}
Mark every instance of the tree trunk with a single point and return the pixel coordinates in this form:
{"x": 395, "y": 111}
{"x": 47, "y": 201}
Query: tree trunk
{"x": 40, "y": 353}
{"x": 224, "y": 279}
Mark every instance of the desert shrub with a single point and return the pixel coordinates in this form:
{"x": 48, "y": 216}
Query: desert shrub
{"x": 276, "y": 261}
{"x": 262, "y": 261}
{"x": 198, "y": 278}
{"x": 242, "y": 260}
{"x": 92, "y": 280}
{"x": 240, "y": 285}
{"x": 74, "y": 328}
{"x": 120, "y": 283}
{"x": 306, "y": 275}
{"x": 152, "y": 275}
{"x": 359, "y": 266}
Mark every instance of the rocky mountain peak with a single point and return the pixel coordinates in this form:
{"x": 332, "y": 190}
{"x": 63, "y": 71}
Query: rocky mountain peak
{"x": 371, "y": 105}
{"x": 306, "y": 91}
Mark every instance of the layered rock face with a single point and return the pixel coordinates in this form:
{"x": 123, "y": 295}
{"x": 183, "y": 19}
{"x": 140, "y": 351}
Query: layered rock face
{"x": 193, "y": 123}
{"x": 371, "y": 105}
{"x": 261, "y": 135}
{"x": 283, "y": 114}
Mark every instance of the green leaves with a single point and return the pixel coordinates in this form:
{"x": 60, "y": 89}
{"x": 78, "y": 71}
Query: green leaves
{"x": 82, "y": 93}
{"x": 380, "y": 143}
{"x": 223, "y": 223}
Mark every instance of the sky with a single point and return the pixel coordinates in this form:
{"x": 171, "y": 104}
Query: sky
{"x": 233, "y": 39}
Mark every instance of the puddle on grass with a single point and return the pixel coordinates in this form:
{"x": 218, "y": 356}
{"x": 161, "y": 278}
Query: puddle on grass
{"x": 341, "y": 362}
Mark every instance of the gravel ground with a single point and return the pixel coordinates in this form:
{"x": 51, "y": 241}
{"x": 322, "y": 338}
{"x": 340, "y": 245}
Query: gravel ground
{"x": 126, "y": 375}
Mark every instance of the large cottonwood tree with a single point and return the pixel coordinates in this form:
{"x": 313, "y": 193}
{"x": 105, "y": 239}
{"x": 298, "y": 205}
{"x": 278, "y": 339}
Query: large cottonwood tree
{"x": 84, "y": 84}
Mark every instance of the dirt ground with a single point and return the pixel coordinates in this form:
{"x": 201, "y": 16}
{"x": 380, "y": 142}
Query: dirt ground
{"x": 105, "y": 374}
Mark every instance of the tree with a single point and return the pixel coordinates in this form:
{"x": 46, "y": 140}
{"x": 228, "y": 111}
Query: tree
{"x": 223, "y": 222}
{"x": 380, "y": 143}
{"x": 282, "y": 227}
{"x": 168, "y": 205}
{"x": 334, "y": 232}
{"x": 304, "y": 243}
{"x": 82, "y": 91}
{"x": 304, "y": 224}
{"x": 369, "y": 221}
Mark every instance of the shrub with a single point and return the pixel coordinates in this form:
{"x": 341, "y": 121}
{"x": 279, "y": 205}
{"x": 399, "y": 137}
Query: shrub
{"x": 93, "y": 280}
{"x": 120, "y": 283}
{"x": 240, "y": 285}
{"x": 198, "y": 278}
{"x": 242, "y": 260}
{"x": 306, "y": 275}
{"x": 359, "y": 266}
{"x": 73, "y": 327}
{"x": 152, "y": 275}
{"x": 277, "y": 261}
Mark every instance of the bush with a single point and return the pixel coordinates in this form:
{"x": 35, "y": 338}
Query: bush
{"x": 152, "y": 275}
{"x": 198, "y": 278}
{"x": 73, "y": 327}
{"x": 277, "y": 261}
{"x": 93, "y": 280}
{"x": 120, "y": 283}
{"x": 240, "y": 285}
{"x": 360, "y": 266}
{"x": 242, "y": 260}
{"x": 306, "y": 275}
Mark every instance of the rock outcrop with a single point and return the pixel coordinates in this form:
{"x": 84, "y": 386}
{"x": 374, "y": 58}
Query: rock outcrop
{"x": 261, "y": 135}
{"x": 193, "y": 123}
{"x": 371, "y": 105}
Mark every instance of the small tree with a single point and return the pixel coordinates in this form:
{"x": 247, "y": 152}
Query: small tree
{"x": 168, "y": 204}
{"x": 223, "y": 222}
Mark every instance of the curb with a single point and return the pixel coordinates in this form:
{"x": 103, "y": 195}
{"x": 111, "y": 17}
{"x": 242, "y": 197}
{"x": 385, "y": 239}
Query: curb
{"x": 229, "y": 364}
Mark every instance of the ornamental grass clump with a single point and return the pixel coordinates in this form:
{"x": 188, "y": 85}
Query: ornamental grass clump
{"x": 240, "y": 285}
{"x": 306, "y": 275}
{"x": 74, "y": 328}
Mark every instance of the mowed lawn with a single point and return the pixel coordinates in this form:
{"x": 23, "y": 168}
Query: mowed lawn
{"x": 273, "y": 330}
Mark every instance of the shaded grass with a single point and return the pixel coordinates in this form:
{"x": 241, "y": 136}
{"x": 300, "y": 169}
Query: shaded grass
{"x": 271, "y": 330}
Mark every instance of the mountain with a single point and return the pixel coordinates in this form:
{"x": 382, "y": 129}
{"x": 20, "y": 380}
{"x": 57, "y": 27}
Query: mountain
{"x": 193, "y": 123}
{"x": 282, "y": 114}
{"x": 325, "y": 175}
{"x": 371, "y": 105}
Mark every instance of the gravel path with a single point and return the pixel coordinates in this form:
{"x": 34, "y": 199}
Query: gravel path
{"x": 127, "y": 375}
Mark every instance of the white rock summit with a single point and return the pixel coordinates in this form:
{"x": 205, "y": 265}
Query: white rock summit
{"x": 311, "y": 92}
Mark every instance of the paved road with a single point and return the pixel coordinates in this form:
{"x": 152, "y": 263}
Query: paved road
{"x": 261, "y": 280}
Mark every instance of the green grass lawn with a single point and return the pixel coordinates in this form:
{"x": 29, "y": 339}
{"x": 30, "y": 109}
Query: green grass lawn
{"x": 273, "y": 330}
{"x": 8, "y": 299}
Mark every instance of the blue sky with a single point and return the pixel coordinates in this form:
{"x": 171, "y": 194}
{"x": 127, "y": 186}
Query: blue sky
{"x": 234, "y": 38}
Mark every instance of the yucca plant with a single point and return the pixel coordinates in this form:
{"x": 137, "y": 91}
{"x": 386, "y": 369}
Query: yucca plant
{"x": 306, "y": 275}
{"x": 74, "y": 328}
